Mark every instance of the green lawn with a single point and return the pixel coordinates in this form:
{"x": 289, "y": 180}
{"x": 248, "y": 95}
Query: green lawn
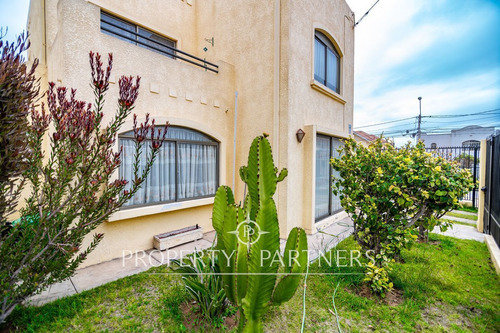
{"x": 447, "y": 285}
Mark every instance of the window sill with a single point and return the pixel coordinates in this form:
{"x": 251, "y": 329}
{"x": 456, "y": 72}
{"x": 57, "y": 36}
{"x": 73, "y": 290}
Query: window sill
{"x": 329, "y": 220}
{"x": 160, "y": 208}
{"x": 327, "y": 91}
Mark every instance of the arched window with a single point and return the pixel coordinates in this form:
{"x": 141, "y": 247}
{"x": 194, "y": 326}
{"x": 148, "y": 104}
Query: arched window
{"x": 434, "y": 145}
{"x": 326, "y": 62}
{"x": 471, "y": 143}
{"x": 185, "y": 168}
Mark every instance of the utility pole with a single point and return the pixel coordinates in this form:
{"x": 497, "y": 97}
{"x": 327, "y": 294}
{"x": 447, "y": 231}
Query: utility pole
{"x": 419, "y": 118}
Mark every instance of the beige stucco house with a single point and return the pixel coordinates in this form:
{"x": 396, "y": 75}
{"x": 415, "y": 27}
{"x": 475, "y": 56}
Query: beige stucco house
{"x": 221, "y": 72}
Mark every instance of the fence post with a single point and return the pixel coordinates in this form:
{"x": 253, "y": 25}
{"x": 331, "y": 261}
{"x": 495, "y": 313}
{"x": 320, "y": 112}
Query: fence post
{"x": 482, "y": 183}
{"x": 474, "y": 178}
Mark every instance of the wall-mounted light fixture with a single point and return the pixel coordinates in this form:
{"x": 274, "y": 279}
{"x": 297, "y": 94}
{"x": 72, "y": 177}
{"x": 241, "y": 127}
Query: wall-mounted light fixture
{"x": 300, "y": 135}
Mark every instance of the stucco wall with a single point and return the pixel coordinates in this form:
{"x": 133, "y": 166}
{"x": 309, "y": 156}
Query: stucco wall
{"x": 303, "y": 105}
{"x": 456, "y": 137}
{"x": 265, "y": 52}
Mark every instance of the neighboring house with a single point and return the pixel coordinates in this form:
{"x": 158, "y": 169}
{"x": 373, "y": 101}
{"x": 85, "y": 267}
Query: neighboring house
{"x": 466, "y": 136}
{"x": 280, "y": 66}
{"x": 367, "y": 138}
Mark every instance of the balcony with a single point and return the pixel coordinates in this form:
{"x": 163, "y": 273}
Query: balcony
{"x": 140, "y": 36}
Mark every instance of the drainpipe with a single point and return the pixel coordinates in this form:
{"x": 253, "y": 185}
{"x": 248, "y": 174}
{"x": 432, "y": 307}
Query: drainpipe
{"x": 234, "y": 135}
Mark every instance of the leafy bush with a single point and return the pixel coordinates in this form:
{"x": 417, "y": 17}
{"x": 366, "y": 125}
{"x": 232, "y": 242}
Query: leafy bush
{"x": 71, "y": 187}
{"x": 378, "y": 278}
{"x": 203, "y": 282}
{"x": 388, "y": 192}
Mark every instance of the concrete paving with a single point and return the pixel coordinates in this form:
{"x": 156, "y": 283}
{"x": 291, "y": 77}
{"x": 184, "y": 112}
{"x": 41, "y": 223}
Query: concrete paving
{"x": 464, "y": 213}
{"x": 96, "y": 275}
{"x": 462, "y": 232}
{"x": 459, "y": 219}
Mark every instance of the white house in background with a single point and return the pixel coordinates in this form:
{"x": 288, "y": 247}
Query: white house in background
{"x": 466, "y": 136}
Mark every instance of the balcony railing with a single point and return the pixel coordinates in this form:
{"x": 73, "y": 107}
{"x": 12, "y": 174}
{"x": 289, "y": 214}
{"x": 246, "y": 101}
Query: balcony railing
{"x": 171, "y": 52}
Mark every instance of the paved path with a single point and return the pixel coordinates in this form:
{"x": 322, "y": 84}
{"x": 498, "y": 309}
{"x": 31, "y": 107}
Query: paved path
{"x": 462, "y": 231}
{"x": 99, "y": 274}
{"x": 459, "y": 219}
{"x": 464, "y": 212}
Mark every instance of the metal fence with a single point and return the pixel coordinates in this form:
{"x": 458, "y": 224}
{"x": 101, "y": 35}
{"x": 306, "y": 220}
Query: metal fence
{"x": 491, "y": 217}
{"x": 468, "y": 158}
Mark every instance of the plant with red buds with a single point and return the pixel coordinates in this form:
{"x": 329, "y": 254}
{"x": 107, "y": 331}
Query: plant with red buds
{"x": 19, "y": 89}
{"x": 72, "y": 186}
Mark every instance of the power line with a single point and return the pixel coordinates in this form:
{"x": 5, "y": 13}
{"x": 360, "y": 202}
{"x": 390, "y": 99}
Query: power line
{"x": 386, "y": 122}
{"x": 460, "y": 115}
{"x": 485, "y": 113}
{"x": 362, "y": 17}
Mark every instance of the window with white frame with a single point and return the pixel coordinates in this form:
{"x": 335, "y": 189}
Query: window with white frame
{"x": 326, "y": 62}
{"x": 186, "y": 167}
{"x": 326, "y": 202}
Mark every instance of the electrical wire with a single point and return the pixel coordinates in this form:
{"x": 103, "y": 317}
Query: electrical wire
{"x": 385, "y": 122}
{"x": 492, "y": 112}
{"x": 362, "y": 17}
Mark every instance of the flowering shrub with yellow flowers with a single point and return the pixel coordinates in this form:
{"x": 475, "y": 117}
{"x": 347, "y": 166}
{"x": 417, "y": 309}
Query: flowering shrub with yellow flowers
{"x": 393, "y": 195}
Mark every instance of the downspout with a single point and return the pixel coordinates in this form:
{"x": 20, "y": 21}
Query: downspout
{"x": 44, "y": 33}
{"x": 234, "y": 136}
{"x": 276, "y": 86}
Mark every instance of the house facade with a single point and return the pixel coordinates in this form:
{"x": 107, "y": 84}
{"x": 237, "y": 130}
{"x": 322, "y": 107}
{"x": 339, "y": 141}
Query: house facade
{"x": 221, "y": 72}
{"x": 466, "y": 136}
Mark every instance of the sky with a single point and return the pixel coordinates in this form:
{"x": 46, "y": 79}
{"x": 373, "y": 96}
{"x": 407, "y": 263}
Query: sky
{"x": 14, "y": 15}
{"x": 445, "y": 51}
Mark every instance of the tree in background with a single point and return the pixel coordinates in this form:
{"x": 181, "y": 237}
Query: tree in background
{"x": 72, "y": 187}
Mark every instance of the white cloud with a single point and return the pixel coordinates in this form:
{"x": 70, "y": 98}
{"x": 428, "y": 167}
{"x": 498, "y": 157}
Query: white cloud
{"x": 396, "y": 33}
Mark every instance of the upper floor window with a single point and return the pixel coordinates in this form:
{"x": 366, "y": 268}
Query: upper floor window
{"x": 137, "y": 35}
{"x": 326, "y": 62}
{"x": 185, "y": 168}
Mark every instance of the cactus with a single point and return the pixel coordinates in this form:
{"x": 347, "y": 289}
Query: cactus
{"x": 249, "y": 257}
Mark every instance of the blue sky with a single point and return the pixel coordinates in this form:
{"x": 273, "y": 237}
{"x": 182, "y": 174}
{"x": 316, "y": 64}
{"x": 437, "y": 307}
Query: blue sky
{"x": 14, "y": 15}
{"x": 447, "y": 51}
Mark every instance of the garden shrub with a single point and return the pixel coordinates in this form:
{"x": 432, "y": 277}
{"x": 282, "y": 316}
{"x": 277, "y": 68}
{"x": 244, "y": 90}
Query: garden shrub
{"x": 203, "y": 282}
{"x": 388, "y": 192}
{"x": 71, "y": 186}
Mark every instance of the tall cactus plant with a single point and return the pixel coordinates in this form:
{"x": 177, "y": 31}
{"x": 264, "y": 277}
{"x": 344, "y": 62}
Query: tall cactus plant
{"x": 248, "y": 241}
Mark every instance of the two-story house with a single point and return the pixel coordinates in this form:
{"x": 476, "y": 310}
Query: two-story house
{"x": 221, "y": 72}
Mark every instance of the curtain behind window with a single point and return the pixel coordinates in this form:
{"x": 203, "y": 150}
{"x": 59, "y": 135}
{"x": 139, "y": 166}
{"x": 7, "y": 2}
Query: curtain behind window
{"x": 322, "y": 176}
{"x": 319, "y": 61}
{"x": 196, "y": 167}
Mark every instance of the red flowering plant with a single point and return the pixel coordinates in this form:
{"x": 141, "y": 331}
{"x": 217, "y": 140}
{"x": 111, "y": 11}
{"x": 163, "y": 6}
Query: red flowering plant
{"x": 72, "y": 185}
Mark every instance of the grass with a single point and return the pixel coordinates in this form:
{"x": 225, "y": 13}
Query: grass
{"x": 447, "y": 285}
{"x": 468, "y": 209}
{"x": 463, "y": 216}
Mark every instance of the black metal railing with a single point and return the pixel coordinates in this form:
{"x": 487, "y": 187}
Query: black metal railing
{"x": 137, "y": 39}
{"x": 491, "y": 212}
{"x": 468, "y": 158}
